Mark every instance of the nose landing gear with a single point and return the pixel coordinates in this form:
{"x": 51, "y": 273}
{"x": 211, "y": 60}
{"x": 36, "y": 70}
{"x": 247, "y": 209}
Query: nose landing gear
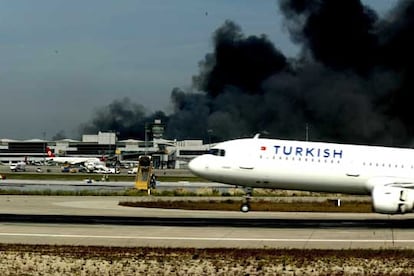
{"x": 245, "y": 206}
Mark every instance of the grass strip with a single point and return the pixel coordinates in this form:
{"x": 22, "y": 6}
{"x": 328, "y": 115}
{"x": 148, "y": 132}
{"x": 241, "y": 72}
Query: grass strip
{"x": 256, "y": 205}
{"x": 97, "y": 177}
{"x": 237, "y": 253}
{"x": 48, "y": 192}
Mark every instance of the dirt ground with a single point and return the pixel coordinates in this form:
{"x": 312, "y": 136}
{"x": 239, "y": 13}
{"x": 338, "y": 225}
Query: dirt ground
{"x": 67, "y": 260}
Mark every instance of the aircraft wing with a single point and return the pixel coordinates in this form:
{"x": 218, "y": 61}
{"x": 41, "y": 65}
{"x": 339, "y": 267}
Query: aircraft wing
{"x": 389, "y": 181}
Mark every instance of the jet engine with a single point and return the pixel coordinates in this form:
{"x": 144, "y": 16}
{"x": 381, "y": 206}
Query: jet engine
{"x": 392, "y": 200}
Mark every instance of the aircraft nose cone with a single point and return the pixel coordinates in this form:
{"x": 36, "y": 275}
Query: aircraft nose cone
{"x": 196, "y": 165}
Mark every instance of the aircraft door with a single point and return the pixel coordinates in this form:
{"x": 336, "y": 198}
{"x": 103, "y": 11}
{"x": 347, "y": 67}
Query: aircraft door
{"x": 352, "y": 169}
{"x": 246, "y": 161}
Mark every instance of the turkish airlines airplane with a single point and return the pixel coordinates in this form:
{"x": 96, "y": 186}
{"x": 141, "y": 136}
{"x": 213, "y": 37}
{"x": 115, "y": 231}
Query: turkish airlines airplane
{"x": 387, "y": 174}
{"x": 89, "y": 162}
{"x": 69, "y": 160}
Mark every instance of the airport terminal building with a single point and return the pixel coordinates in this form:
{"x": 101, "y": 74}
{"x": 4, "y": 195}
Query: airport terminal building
{"x": 165, "y": 153}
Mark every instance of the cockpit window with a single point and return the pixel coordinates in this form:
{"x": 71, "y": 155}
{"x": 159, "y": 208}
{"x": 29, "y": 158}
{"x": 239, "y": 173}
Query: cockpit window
{"x": 218, "y": 152}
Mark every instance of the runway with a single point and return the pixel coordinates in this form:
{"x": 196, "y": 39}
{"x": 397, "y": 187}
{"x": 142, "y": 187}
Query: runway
{"x": 69, "y": 185}
{"x": 100, "y": 221}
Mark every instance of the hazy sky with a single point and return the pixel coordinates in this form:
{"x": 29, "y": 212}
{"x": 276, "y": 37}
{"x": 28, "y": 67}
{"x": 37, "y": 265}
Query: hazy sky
{"x": 60, "y": 60}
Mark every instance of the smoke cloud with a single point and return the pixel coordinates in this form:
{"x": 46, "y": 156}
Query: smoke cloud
{"x": 124, "y": 117}
{"x": 352, "y": 81}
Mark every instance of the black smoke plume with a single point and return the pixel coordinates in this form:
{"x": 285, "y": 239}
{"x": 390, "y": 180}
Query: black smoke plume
{"x": 353, "y": 80}
{"x": 231, "y": 85}
{"x": 238, "y": 61}
{"x": 123, "y": 117}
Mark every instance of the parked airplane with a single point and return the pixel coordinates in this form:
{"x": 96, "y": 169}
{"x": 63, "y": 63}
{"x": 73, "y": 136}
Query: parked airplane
{"x": 385, "y": 173}
{"x": 89, "y": 163}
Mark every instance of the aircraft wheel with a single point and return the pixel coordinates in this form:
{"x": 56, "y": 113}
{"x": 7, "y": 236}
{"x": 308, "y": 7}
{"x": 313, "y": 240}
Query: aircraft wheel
{"x": 245, "y": 207}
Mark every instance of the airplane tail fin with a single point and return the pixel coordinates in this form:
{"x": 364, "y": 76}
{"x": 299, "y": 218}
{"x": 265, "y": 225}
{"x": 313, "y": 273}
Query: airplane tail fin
{"x": 49, "y": 152}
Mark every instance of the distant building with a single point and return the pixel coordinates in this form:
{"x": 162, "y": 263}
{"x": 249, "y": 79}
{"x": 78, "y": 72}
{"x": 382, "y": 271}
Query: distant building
{"x": 19, "y": 150}
{"x": 102, "y": 138}
{"x": 165, "y": 153}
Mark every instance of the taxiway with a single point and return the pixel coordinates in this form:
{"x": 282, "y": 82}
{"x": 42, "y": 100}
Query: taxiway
{"x": 78, "y": 185}
{"x": 101, "y": 221}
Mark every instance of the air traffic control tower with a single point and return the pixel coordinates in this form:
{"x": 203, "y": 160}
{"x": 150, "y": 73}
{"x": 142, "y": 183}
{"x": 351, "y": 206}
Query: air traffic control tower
{"x": 157, "y": 129}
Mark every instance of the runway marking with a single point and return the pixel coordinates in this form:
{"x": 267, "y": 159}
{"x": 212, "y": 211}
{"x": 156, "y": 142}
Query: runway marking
{"x": 203, "y": 238}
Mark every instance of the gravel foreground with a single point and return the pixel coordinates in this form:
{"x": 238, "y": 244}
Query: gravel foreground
{"x": 83, "y": 260}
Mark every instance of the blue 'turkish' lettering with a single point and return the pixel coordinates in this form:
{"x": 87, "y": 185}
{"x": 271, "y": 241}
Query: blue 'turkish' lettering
{"x": 308, "y": 151}
{"x": 287, "y": 152}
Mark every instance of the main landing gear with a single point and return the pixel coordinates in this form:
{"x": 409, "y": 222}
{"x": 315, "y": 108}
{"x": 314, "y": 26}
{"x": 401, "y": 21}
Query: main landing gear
{"x": 245, "y": 206}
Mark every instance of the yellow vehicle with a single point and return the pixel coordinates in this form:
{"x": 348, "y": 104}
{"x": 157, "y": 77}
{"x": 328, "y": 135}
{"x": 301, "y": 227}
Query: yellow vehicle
{"x": 145, "y": 178}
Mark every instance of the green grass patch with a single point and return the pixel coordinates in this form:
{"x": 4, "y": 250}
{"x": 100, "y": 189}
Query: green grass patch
{"x": 256, "y": 205}
{"x": 48, "y": 192}
{"x": 103, "y": 192}
{"x": 82, "y": 176}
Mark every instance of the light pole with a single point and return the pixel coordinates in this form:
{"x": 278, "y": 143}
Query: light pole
{"x": 209, "y": 131}
{"x": 146, "y": 138}
{"x": 44, "y": 147}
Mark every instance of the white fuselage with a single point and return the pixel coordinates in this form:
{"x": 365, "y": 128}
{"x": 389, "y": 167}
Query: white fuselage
{"x": 73, "y": 160}
{"x": 309, "y": 166}
{"x": 89, "y": 163}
